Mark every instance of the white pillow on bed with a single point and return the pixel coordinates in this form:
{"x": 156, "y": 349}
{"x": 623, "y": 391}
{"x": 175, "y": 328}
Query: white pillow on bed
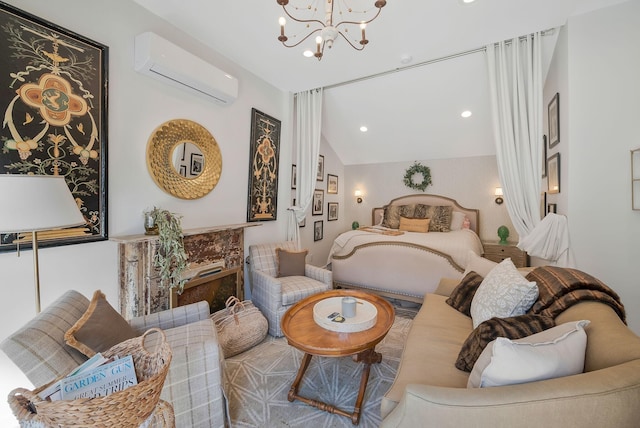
{"x": 457, "y": 220}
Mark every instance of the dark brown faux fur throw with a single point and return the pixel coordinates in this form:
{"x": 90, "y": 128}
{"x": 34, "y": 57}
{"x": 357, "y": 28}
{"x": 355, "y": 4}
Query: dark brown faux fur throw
{"x": 561, "y": 288}
{"x": 511, "y": 328}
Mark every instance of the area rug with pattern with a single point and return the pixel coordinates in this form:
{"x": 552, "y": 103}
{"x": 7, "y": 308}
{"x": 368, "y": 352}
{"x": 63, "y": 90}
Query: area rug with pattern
{"x": 259, "y": 379}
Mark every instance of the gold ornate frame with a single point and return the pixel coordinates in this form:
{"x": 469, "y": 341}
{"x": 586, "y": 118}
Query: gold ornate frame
{"x": 164, "y": 140}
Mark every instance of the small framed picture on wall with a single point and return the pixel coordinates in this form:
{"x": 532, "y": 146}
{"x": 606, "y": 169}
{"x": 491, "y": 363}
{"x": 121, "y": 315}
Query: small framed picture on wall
{"x": 318, "y": 202}
{"x": 320, "y": 172}
{"x": 317, "y": 230}
{"x": 294, "y": 176}
{"x": 553, "y": 174}
{"x": 332, "y": 211}
{"x": 554, "y": 120}
{"x": 332, "y": 184}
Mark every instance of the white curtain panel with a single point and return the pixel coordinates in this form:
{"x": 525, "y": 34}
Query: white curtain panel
{"x": 308, "y": 122}
{"x": 516, "y": 100}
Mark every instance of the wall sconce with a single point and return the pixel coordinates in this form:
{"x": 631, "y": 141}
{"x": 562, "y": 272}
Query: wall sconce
{"x": 358, "y": 195}
{"x": 499, "y": 195}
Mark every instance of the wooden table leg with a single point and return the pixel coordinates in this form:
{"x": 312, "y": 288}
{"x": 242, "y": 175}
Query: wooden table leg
{"x": 304, "y": 364}
{"x": 368, "y": 357}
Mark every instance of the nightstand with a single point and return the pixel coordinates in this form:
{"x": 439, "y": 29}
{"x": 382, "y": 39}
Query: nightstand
{"x": 498, "y": 252}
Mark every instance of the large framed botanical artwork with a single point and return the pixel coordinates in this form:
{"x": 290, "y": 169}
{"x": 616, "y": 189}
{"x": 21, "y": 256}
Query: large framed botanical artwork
{"x": 53, "y": 101}
{"x": 262, "y": 203}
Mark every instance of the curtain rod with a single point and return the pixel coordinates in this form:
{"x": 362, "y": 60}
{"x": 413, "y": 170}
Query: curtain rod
{"x": 423, "y": 63}
{"x": 408, "y": 67}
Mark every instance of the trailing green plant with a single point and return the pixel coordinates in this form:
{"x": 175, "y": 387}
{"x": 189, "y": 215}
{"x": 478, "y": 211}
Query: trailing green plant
{"x": 171, "y": 257}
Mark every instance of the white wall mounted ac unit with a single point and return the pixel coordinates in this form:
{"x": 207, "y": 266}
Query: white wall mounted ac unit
{"x": 161, "y": 59}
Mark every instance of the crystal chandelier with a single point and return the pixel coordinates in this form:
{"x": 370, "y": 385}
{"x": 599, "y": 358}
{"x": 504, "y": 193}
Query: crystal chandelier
{"x": 327, "y": 28}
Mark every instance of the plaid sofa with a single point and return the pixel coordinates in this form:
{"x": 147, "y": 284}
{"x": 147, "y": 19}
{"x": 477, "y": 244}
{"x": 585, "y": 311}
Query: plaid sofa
{"x": 193, "y": 385}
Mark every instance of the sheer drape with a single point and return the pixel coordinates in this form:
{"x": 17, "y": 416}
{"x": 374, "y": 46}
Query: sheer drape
{"x": 308, "y": 122}
{"x": 515, "y": 82}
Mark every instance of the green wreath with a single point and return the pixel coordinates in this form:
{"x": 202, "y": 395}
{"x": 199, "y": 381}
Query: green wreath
{"x": 417, "y": 169}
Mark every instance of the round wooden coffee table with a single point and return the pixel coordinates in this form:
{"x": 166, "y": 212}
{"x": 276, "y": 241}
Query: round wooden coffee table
{"x": 305, "y": 334}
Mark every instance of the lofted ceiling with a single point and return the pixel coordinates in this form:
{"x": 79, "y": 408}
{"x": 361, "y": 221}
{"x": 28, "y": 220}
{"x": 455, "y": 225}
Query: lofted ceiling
{"x": 411, "y": 109}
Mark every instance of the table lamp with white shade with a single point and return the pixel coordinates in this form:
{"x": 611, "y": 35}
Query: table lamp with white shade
{"x": 33, "y": 203}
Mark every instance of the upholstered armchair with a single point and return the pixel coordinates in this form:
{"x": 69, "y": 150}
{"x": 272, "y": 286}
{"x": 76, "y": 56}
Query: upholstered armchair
{"x": 193, "y": 385}
{"x": 272, "y": 293}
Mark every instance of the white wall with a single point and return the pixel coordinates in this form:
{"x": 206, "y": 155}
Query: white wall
{"x": 137, "y": 105}
{"x": 603, "y": 111}
{"x": 319, "y": 250}
{"x": 471, "y": 181}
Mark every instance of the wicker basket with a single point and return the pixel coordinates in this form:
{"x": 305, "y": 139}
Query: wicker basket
{"x": 128, "y": 408}
{"x": 240, "y": 326}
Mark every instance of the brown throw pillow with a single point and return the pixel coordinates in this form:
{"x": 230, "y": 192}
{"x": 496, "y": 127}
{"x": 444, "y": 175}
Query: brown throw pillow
{"x": 414, "y": 224}
{"x": 290, "y": 263}
{"x": 462, "y": 296}
{"x": 511, "y": 328}
{"x": 99, "y": 328}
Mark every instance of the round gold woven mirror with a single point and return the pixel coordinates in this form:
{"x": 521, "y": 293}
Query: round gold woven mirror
{"x": 184, "y": 159}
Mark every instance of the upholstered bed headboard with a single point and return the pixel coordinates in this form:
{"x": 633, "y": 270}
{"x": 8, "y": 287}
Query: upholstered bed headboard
{"x": 472, "y": 214}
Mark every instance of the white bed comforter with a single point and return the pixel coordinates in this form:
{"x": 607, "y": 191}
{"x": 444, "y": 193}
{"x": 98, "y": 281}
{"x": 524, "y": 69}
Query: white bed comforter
{"x": 456, "y": 244}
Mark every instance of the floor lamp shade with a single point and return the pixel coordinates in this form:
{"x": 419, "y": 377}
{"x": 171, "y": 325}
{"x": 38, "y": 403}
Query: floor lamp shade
{"x": 31, "y": 203}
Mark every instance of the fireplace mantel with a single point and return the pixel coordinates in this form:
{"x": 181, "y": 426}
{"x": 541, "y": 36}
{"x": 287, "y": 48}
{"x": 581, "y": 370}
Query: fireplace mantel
{"x": 140, "y": 291}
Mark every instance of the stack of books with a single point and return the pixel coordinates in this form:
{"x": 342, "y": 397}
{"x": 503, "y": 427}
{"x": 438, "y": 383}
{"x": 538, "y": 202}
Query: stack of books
{"x": 96, "y": 377}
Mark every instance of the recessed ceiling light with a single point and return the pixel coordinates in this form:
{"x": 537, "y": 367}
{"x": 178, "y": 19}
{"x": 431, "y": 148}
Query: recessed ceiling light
{"x": 307, "y": 53}
{"x": 466, "y": 114}
{"x": 468, "y": 1}
{"x": 363, "y": 129}
{"x": 406, "y": 59}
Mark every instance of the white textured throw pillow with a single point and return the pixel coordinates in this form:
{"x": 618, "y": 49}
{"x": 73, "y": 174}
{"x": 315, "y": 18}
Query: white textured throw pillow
{"x": 556, "y": 352}
{"x": 504, "y": 292}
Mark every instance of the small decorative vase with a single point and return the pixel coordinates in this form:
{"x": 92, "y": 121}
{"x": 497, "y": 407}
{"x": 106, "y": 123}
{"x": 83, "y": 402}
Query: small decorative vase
{"x": 150, "y": 226}
{"x": 503, "y": 233}
{"x": 355, "y": 225}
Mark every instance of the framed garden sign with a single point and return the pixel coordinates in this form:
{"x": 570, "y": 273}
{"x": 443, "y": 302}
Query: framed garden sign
{"x": 262, "y": 203}
{"x": 53, "y": 97}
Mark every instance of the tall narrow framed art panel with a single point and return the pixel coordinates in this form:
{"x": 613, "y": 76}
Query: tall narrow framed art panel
{"x": 262, "y": 203}
{"x": 53, "y": 98}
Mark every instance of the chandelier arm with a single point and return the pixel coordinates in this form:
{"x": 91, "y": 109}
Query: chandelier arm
{"x": 349, "y": 41}
{"x": 305, "y": 38}
{"x": 358, "y": 22}
{"x": 304, "y": 20}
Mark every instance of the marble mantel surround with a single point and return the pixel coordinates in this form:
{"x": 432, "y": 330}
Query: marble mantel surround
{"x": 140, "y": 292}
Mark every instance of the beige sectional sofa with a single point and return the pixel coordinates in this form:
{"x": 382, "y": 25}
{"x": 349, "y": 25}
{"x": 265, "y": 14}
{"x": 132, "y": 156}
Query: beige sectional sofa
{"x": 429, "y": 391}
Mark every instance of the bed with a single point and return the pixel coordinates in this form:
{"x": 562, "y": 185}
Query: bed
{"x": 405, "y": 264}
